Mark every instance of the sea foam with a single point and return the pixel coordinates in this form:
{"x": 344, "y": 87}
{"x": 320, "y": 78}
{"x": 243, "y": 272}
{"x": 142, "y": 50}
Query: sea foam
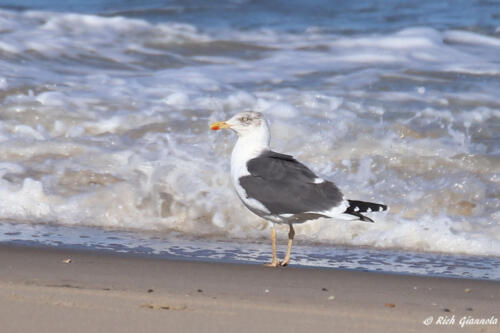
{"x": 104, "y": 123}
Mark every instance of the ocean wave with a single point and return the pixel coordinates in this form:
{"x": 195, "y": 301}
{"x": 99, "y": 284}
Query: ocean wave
{"x": 104, "y": 123}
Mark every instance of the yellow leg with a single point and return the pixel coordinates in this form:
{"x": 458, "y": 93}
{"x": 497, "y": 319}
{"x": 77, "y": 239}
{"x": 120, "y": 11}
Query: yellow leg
{"x": 273, "y": 263}
{"x": 291, "y": 234}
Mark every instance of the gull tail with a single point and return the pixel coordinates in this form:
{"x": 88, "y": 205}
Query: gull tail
{"x": 357, "y": 207}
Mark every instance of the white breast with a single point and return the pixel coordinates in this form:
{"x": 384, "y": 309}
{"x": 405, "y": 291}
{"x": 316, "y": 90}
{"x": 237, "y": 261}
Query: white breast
{"x": 244, "y": 150}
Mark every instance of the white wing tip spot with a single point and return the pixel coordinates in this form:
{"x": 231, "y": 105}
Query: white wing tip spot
{"x": 318, "y": 180}
{"x": 356, "y": 209}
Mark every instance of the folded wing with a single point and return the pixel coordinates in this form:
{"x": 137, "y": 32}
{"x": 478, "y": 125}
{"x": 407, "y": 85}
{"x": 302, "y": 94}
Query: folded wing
{"x": 285, "y": 186}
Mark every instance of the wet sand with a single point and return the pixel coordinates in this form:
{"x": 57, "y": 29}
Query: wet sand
{"x": 95, "y": 292}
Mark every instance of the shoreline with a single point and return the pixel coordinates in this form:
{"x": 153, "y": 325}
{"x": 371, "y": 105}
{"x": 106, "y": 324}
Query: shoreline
{"x": 117, "y": 292}
{"x": 339, "y": 257}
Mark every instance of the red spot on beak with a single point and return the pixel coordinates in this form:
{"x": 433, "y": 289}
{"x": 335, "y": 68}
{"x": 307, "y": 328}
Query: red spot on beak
{"x": 218, "y": 125}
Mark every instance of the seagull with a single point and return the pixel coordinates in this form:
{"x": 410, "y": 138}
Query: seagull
{"x": 279, "y": 188}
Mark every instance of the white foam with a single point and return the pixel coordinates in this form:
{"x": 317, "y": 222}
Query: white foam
{"x": 56, "y": 34}
{"x": 51, "y": 98}
{"x": 177, "y": 99}
{"x": 27, "y": 131}
{"x": 7, "y": 47}
{"x": 282, "y": 110}
{"x": 467, "y": 37}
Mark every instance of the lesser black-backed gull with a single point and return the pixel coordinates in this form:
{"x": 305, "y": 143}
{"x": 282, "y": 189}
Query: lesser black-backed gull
{"x": 280, "y": 189}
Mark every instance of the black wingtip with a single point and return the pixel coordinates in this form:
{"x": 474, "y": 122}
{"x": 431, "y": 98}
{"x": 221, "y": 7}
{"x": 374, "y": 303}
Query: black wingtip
{"x": 356, "y": 206}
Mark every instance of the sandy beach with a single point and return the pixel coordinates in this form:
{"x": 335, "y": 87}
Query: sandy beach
{"x": 41, "y": 292}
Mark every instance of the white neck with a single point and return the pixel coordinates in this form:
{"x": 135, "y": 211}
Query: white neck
{"x": 249, "y": 145}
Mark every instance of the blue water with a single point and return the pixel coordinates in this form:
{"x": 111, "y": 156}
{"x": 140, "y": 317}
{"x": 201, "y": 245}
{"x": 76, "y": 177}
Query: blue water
{"x": 180, "y": 248}
{"x": 104, "y": 107}
{"x": 292, "y": 16}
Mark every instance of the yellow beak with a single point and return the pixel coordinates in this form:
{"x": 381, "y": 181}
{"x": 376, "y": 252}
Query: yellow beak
{"x": 219, "y": 125}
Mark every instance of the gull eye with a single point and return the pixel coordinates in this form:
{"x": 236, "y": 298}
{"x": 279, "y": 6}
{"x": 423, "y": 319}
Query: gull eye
{"x": 244, "y": 119}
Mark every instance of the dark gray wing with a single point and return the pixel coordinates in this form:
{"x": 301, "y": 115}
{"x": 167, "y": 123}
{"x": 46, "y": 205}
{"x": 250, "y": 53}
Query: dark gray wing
{"x": 285, "y": 186}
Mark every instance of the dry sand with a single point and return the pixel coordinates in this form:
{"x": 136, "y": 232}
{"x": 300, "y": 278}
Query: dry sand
{"x": 98, "y": 292}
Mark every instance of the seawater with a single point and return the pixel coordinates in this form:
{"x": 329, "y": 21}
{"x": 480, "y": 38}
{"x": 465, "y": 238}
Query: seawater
{"x": 105, "y": 107}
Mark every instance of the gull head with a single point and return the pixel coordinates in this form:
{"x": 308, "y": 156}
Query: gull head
{"x": 243, "y": 123}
